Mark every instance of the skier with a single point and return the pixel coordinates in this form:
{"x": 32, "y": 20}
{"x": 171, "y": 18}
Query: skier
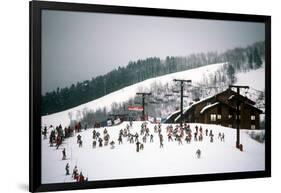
{"x": 161, "y": 140}
{"x": 75, "y": 173}
{"x": 120, "y": 139}
{"x": 147, "y": 131}
{"x": 94, "y": 134}
{"x": 67, "y": 169}
{"x": 142, "y": 131}
{"x": 112, "y": 144}
{"x": 136, "y": 137}
{"x": 106, "y": 139}
{"x": 219, "y": 136}
{"x": 212, "y": 139}
{"x": 138, "y": 146}
{"x": 151, "y": 138}
{"x": 104, "y": 131}
{"x": 198, "y": 153}
{"x": 94, "y": 144}
{"x": 80, "y": 178}
{"x": 79, "y": 137}
{"x": 58, "y": 141}
{"x": 195, "y": 136}
{"x": 200, "y": 137}
{"x": 79, "y": 127}
{"x": 187, "y": 139}
{"x": 206, "y": 132}
{"x": 211, "y": 133}
{"x": 196, "y": 128}
{"x": 144, "y": 139}
{"x": 159, "y": 129}
{"x": 170, "y": 137}
{"x": 222, "y": 137}
{"x": 121, "y": 132}
{"x": 52, "y": 138}
{"x": 98, "y": 134}
{"x": 155, "y": 128}
{"x": 141, "y": 146}
{"x": 131, "y": 138}
{"x": 179, "y": 139}
{"x": 80, "y": 143}
{"x": 45, "y": 132}
{"x": 100, "y": 142}
{"x": 201, "y": 129}
{"x": 63, "y": 154}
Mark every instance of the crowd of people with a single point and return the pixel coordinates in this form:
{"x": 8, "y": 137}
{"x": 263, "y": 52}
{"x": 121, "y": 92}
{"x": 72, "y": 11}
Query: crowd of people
{"x": 101, "y": 138}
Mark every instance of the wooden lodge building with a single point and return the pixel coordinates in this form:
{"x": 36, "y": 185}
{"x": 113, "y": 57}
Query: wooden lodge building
{"x": 220, "y": 109}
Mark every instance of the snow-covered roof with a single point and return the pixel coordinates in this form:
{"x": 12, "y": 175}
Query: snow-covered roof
{"x": 208, "y": 106}
{"x": 231, "y": 97}
{"x": 177, "y": 117}
{"x": 195, "y": 103}
{"x": 172, "y": 114}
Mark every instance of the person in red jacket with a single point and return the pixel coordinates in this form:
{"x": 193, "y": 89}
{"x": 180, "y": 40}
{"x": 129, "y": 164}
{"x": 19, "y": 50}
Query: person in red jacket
{"x": 81, "y": 178}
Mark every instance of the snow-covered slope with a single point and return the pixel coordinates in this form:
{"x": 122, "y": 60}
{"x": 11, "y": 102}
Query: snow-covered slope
{"x": 103, "y": 163}
{"x": 255, "y": 79}
{"x": 127, "y": 93}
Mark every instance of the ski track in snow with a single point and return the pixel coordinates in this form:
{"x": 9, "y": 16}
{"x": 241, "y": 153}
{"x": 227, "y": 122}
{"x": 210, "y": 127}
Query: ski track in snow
{"x": 103, "y": 163}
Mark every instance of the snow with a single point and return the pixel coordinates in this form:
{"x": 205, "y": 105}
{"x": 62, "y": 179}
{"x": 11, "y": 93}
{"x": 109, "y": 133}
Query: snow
{"x": 231, "y": 97}
{"x": 254, "y": 78}
{"x": 127, "y": 93}
{"x": 124, "y": 162}
{"x": 207, "y": 107}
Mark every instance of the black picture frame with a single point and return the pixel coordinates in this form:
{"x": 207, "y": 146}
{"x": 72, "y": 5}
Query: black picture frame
{"x": 35, "y": 95}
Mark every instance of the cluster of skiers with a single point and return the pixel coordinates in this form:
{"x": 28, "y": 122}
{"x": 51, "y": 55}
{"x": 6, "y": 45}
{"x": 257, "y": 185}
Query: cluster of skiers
{"x": 175, "y": 133}
{"x": 102, "y": 141}
{"x": 58, "y": 134}
{"x": 79, "y": 177}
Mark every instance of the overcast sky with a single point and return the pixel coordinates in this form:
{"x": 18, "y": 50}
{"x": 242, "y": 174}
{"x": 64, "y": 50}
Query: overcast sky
{"x": 77, "y": 46}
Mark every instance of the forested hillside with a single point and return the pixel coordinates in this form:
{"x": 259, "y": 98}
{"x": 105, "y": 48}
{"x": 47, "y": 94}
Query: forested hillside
{"x": 239, "y": 59}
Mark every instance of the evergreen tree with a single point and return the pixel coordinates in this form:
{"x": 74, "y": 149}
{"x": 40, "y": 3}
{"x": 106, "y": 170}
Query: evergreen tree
{"x": 257, "y": 58}
{"x": 250, "y": 60}
{"x": 231, "y": 73}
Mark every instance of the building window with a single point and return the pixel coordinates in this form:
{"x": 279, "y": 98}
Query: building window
{"x": 219, "y": 116}
{"x": 253, "y": 117}
{"x": 229, "y": 116}
{"x": 213, "y": 117}
{"x": 253, "y": 126}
